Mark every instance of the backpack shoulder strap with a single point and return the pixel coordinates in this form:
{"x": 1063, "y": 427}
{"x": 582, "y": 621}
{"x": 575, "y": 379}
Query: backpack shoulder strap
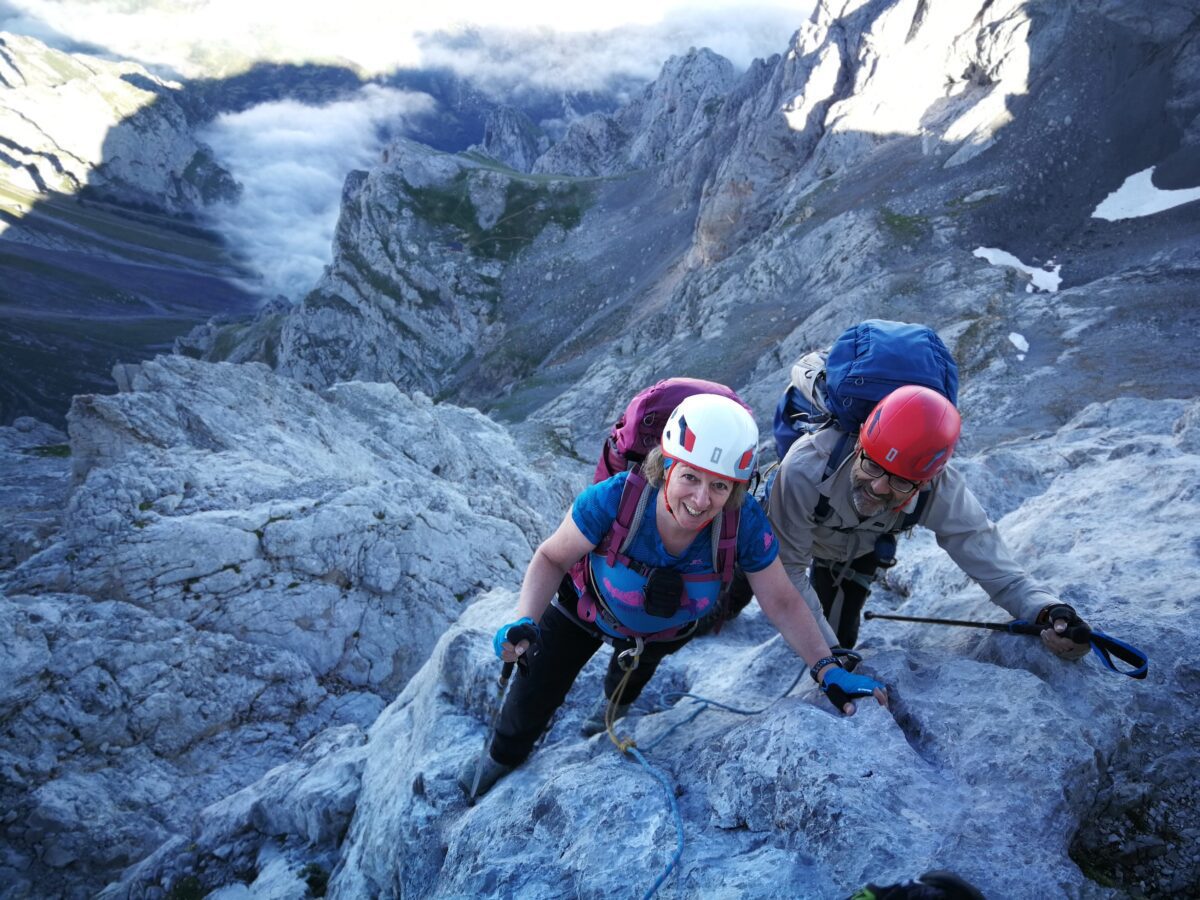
{"x": 631, "y": 509}
{"x": 840, "y": 451}
{"x": 724, "y": 543}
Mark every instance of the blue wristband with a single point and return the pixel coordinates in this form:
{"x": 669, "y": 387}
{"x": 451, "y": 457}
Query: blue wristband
{"x": 502, "y": 633}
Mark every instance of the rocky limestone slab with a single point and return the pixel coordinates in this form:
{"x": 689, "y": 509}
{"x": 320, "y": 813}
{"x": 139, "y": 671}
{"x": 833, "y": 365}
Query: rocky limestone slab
{"x": 995, "y": 759}
{"x": 342, "y": 527}
{"x": 118, "y": 724}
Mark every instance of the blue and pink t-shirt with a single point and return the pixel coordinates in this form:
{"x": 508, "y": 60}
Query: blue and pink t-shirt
{"x": 595, "y": 510}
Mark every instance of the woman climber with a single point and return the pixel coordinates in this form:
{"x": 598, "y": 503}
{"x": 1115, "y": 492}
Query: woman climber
{"x": 635, "y": 563}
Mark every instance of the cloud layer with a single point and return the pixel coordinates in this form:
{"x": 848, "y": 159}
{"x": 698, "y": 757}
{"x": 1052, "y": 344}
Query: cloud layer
{"x": 291, "y": 160}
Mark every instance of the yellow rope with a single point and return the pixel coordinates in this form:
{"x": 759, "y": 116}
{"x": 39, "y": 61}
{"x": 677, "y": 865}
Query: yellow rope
{"x": 610, "y": 714}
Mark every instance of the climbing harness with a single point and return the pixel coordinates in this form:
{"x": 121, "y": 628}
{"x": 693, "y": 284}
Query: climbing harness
{"x": 505, "y": 674}
{"x": 1104, "y": 646}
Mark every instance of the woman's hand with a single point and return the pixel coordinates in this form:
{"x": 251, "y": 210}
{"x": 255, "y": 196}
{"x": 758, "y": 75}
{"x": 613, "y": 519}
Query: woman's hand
{"x": 512, "y": 641}
{"x": 841, "y": 687}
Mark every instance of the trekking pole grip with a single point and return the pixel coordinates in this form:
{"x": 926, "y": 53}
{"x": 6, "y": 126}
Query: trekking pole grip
{"x": 506, "y": 673}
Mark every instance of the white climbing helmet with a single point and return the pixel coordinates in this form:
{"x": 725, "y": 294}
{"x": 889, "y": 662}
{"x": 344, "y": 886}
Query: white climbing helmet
{"x": 714, "y": 434}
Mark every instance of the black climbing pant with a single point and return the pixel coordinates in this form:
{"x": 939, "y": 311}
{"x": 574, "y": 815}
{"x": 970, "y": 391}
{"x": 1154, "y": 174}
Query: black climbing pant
{"x": 536, "y": 693}
{"x": 842, "y": 597}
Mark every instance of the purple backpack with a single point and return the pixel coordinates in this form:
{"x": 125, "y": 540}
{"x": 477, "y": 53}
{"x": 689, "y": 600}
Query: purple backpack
{"x": 641, "y": 425}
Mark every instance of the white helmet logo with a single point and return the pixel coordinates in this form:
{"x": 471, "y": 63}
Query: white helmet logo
{"x": 716, "y": 455}
{"x": 891, "y": 455}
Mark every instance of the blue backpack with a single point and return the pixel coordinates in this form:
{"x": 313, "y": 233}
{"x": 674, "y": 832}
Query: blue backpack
{"x": 865, "y": 364}
{"x": 839, "y": 389}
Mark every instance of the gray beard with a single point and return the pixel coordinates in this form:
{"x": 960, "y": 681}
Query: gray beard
{"x": 865, "y": 505}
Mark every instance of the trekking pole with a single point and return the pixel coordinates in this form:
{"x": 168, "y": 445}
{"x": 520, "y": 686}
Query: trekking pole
{"x": 505, "y": 674}
{"x": 1104, "y": 646}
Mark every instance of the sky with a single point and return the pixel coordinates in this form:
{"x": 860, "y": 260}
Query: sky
{"x": 580, "y": 44}
{"x": 292, "y": 160}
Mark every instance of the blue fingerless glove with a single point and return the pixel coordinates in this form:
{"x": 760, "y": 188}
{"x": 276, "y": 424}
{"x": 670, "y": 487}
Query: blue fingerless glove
{"x": 524, "y": 629}
{"x": 841, "y": 686}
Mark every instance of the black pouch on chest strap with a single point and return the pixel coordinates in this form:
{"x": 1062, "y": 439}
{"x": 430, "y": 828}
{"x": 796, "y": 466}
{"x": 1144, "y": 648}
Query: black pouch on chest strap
{"x": 663, "y": 592}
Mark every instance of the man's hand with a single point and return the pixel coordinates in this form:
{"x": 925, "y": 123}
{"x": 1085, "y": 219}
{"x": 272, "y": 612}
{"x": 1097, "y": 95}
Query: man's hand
{"x": 1067, "y": 636}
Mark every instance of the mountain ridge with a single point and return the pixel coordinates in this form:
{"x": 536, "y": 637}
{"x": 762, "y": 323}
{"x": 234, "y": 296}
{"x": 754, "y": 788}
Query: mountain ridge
{"x": 340, "y": 533}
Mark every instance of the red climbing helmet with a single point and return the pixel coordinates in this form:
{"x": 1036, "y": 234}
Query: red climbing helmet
{"x": 912, "y": 432}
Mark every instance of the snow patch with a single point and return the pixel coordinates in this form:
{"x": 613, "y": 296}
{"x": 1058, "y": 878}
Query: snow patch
{"x": 1022, "y": 345}
{"x": 1046, "y": 280}
{"x": 1139, "y": 197}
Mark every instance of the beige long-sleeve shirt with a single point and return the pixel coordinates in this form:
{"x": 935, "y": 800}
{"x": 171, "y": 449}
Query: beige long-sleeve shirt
{"x": 952, "y": 512}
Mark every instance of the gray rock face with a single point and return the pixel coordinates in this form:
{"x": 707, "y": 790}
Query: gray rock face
{"x": 512, "y": 138}
{"x": 33, "y": 487}
{"x": 119, "y": 723}
{"x": 214, "y": 494}
{"x": 669, "y": 118}
{"x": 990, "y": 745}
{"x": 71, "y": 121}
{"x": 241, "y": 561}
{"x": 410, "y": 298}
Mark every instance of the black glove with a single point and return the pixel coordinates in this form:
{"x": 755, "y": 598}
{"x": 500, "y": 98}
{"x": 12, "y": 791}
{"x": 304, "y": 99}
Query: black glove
{"x": 524, "y": 629}
{"x": 1073, "y": 642}
{"x": 841, "y": 687}
{"x": 1077, "y": 629}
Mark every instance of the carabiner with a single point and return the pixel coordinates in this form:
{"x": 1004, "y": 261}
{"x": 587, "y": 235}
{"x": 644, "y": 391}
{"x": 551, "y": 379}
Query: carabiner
{"x": 633, "y": 653}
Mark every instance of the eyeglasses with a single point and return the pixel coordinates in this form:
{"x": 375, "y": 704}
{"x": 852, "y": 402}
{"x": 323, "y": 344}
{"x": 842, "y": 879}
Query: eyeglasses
{"x": 872, "y": 469}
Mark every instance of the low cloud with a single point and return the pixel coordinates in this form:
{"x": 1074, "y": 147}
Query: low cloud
{"x": 503, "y": 61}
{"x": 292, "y": 160}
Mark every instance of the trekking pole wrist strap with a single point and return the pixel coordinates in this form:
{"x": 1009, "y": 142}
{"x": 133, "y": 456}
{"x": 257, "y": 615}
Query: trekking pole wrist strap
{"x": 822, "y": 663}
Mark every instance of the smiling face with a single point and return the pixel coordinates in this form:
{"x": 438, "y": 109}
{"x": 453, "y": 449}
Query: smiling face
{"x": 873, "y": 489}
{"x": 694, "y": 497}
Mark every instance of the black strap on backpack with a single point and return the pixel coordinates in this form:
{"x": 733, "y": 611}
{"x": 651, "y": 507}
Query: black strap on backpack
{"x": 885, "y": 544}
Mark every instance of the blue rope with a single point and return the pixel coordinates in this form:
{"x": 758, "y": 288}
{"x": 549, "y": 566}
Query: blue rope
{"x": 665, "y": 782}
{"x": 703, "y": 704}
